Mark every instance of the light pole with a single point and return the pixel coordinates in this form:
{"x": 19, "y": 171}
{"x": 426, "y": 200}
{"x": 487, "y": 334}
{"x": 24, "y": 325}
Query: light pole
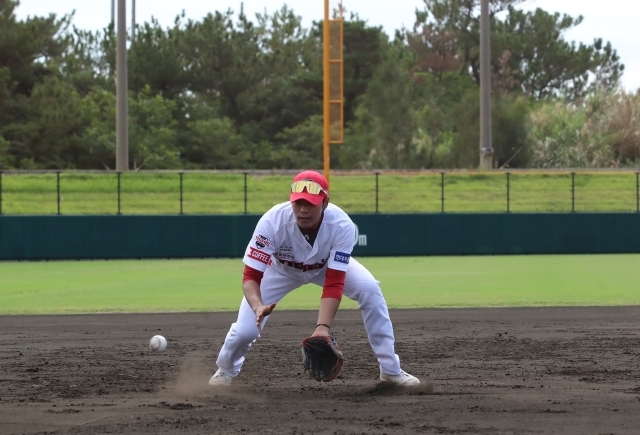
{"x": 486, "y": 149}
{"x": 133, "y": 22}
{"x": 122, "y": 134}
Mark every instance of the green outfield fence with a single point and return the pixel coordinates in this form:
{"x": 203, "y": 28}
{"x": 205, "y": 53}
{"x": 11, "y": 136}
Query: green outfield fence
{"x": 253, "y": 192}
{"x": 226, "y": 236}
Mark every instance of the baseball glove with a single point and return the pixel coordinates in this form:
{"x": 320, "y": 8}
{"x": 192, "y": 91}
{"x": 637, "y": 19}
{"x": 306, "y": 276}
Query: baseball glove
{"x": 321, "y": 357}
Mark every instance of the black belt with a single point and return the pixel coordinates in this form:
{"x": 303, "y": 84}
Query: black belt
{"x": 302, "y": 266}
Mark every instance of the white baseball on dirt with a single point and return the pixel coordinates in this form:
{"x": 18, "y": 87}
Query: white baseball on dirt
{"x": 157, "y": 343}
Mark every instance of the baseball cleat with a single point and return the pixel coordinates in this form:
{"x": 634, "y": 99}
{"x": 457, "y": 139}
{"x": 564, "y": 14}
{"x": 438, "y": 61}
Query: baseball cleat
{"x": 403, "y": 378}
{"x": 220, "y": 378}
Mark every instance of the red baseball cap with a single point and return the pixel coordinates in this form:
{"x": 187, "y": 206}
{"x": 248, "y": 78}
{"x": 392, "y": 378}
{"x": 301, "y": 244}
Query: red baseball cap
{"x": 310, "y": 186}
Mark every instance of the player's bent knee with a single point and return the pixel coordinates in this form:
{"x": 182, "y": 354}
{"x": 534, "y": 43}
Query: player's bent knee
{"x": 368, "y": 299}
{"x": 368, "y": 288}
{"x": 244, "y": 334}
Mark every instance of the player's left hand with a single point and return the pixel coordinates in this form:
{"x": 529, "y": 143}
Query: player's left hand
{"x": 320, "y": 332}
{"x": 262, "y": 312}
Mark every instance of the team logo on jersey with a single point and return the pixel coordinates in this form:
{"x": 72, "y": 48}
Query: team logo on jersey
{"x": 262, "y": 241}
{"x": 283, "y": 256}
{"x": 260, "y": 256}
{"x": 284, "y": 253}
{"x": 341, "y": 257}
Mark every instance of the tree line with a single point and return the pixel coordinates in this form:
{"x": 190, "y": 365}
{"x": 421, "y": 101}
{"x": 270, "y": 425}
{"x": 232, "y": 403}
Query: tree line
{"x": 230, "y": 92}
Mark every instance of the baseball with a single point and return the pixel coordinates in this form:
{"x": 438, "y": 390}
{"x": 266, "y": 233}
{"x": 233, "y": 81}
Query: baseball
{"x": 157, "y": 343}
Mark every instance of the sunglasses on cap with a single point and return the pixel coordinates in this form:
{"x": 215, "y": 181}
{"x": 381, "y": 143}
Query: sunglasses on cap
{"x": 311, "y": 186}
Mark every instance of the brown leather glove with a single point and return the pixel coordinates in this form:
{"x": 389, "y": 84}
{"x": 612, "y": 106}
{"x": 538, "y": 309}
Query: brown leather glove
{"x": 321, "y": 357}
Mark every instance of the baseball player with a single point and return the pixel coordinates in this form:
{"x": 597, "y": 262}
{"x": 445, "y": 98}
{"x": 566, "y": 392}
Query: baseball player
{"x": 307, "y": 240}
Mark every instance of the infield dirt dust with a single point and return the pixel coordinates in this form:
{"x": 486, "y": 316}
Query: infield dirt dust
{"x": 484, "y": 371}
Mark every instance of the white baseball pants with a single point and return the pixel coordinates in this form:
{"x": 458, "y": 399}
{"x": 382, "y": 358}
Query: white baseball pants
{"x": 359, "y": 286}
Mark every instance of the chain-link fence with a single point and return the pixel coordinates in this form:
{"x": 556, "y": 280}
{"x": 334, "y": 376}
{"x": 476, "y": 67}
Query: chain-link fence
{"x": 237, "y": 192}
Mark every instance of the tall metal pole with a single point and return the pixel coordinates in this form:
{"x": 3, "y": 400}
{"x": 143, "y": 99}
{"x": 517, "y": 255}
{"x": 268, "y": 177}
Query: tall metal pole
{"x": 133, "y": 21}
{"x": 113, "y": 11}
{"x": 486, "y": 149}
{"x": 326, "y": 90}
{"x": 122, "y": 137}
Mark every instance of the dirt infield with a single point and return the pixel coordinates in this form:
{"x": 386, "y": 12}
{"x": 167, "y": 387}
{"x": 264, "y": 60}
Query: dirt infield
{"x": 485, "y": 371}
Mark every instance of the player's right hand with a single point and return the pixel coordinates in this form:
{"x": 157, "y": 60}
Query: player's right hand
{"x": 261, "y": 312}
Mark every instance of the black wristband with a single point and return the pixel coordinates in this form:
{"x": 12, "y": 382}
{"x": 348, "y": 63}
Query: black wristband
{"x": 322, "y": 324}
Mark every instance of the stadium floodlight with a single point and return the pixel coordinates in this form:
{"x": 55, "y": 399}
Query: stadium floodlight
{"x": 486, "y": 149}
{"x": 122, "y": 135}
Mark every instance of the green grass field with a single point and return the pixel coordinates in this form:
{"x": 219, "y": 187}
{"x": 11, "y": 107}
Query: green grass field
{"x": 408, "y": 282}
{"x": 215, "y": 193}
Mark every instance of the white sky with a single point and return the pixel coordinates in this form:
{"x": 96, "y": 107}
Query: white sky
{"x": 616, "y": 21}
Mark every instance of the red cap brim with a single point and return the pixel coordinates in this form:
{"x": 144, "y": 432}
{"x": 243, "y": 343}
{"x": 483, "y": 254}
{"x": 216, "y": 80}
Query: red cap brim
{"x": 313, "y": 199}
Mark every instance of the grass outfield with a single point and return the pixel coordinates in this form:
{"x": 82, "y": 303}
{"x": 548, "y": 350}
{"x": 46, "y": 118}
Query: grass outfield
{"x": 408, "y": 282}
{"x": 216, "y": 193}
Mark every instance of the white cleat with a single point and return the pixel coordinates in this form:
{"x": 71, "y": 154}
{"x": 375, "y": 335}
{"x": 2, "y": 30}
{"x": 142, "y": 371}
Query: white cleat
{"x": 403, "y": 378}
{"x": 220, "y": 378}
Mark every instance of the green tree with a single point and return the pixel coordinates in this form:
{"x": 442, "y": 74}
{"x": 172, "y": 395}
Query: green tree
{"x": 5, "y": 92}
{"x": 157, "y": 60}
{"x": 28, "y": 47}
{"x": 211, "y": 141}
{"x": 6, "y": 160}
{"x": 529, "y": 45}
{"x": 51, "y": 136}
{"x": 385, "y": 122}
{"x": 89, "y": 60}
{"x": 282, "y": 99}
{"x": 29, "y": 50}
{"x": 510, "y": 131}
{"x": 224, "y": 59}
{"x": 100, "y": 132}
{"x": 152, "y": 131}
{"x": 447, "y": 115}
{"x": 545, "y": 64}
{"x": 300, "y": 146}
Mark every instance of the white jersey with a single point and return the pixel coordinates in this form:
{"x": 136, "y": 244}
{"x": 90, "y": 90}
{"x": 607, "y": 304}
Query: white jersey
{"x": 280, "y": 250}
{"x": 278, "y": 242}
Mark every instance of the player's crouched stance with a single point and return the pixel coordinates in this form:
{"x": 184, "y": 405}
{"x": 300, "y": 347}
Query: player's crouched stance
{"x": 307, "y": 240}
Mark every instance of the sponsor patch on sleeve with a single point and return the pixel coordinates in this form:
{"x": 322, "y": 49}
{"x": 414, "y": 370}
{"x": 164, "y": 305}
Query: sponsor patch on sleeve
{"x": 262, "y": 241}
{"x": 260, "y": 256}
{"x": 341, "y": 257}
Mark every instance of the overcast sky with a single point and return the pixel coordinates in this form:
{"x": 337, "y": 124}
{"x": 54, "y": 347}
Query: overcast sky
{"x": 616, "y": 21}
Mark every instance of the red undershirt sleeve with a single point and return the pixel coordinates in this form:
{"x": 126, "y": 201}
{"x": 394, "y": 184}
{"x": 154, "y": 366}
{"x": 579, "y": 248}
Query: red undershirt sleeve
{"x": 251, "y": 274}
{"x": 333, "y": 284}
